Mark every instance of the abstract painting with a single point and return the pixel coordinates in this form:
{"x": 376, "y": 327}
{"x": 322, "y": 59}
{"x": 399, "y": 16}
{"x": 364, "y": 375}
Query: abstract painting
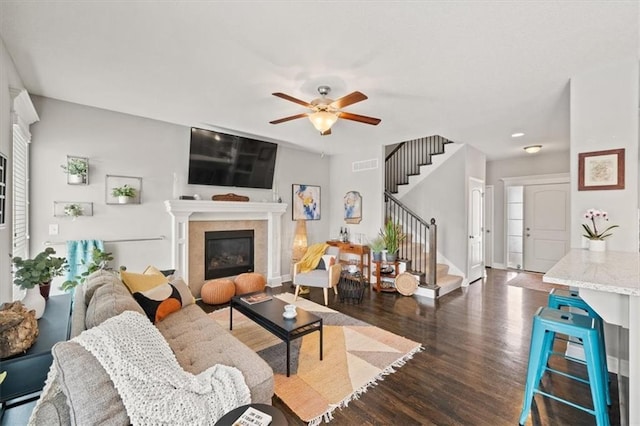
{"x": 305, "y": 200}
{"x": 352, "y": 207}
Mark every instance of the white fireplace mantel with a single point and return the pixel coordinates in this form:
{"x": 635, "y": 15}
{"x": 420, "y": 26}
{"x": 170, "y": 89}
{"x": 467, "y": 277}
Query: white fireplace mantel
{"x": 184, "y": 211}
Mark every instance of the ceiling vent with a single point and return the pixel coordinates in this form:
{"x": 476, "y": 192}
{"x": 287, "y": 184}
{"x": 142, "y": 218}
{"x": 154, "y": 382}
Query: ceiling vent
{"x": 361, "y": 166}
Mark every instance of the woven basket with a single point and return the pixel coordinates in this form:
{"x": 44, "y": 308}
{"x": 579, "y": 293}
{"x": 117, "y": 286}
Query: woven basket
{"x": 406, "y": 284}
{"x": 350, "y": 288}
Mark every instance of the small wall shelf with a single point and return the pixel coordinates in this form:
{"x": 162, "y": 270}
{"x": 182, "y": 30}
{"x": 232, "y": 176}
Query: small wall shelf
{"x": 77, "y": 169}
{"x": 69, "y": 209}
{"x": 112, "y": 182}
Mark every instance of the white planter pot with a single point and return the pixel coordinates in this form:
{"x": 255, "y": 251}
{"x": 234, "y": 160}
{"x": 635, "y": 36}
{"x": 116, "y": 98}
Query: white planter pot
{"x": 123, "y": 200}
{"x": 76, "y": 179}
{"x": 597, "y": 245}
{"x": 34, "y": 300}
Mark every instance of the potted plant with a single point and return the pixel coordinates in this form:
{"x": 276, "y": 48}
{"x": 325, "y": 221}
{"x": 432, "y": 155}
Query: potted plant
{"x": 376, "y": 246}
{"x": 99, "y": 261}
{"x": 596, "y": 237}
{"x": 124, "y": 193}
{"x": 73, "y": 210}
{"x": 392, "y": 236}
{"x": 77, "y": 169}
{"x": 34, "y": 274}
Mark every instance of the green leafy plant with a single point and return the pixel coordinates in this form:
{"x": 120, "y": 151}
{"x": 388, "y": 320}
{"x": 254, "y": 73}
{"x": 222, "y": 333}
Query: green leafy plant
{"x": 76, "y": 166}
{"x": 377, "y": 245}
{"x": 392, "y": 236}
{"x": 99, "y": 261}
{"x": 73, "y": 210}
{"x": 39, "y": 270}
{"x": 123, "y": 191}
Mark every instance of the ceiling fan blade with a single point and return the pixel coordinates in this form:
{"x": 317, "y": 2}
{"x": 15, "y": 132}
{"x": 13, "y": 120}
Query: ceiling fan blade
{"x": 349, "y": 99}
{"x": 327, "y": 132}
{"x": 292, "y": 117}
{"x": 359, "y": 118}
{"x": 292, "y": 99}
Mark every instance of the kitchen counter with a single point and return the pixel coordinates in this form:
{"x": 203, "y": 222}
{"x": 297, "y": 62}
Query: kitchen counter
{"x": 610, "y": 283}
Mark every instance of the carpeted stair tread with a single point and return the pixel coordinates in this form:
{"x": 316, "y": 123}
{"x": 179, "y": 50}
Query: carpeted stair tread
{"x": 448, "y": 283}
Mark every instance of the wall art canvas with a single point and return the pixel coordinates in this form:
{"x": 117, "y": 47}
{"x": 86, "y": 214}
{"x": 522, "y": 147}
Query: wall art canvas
{"x": 353, "y": 207}
{"x": 305, "y": 200}
{"x": 600, "y": 170}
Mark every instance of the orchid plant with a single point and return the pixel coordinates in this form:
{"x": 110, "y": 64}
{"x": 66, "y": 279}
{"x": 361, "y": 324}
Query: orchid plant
{"x": 591, "y": 230}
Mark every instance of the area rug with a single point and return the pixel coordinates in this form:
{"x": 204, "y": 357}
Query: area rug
{"x": 532, "y": 282}
{"x": 356, "y": 356}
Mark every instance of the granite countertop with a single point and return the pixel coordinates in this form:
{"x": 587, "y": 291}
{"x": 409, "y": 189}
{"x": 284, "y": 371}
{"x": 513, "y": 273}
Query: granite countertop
{"x": 609, "y": 271}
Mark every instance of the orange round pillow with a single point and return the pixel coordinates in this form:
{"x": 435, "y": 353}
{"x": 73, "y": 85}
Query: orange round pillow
{"x": 217, "y": 292}
{"x": 250, "y": 282}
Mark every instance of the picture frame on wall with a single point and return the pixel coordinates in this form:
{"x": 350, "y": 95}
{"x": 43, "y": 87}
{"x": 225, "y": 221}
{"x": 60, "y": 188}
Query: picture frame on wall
{"x": 305, "y": 202}
{"x": 601, "y": 170}
{"x": 353, "y": 207}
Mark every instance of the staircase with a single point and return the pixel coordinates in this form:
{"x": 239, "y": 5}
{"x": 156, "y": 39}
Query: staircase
{"x": 404, "y": 161}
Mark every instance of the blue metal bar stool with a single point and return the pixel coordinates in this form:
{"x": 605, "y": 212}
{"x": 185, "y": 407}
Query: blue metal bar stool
{"x": 570, "y": 298}
{"x": 546, "y": 323}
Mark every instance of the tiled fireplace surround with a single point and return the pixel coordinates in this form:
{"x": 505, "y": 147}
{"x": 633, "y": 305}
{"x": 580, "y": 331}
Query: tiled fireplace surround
{"x": 192, "y": 218}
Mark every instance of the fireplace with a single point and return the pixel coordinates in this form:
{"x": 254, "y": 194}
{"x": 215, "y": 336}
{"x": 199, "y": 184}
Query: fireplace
{"x": 228, "y": 253}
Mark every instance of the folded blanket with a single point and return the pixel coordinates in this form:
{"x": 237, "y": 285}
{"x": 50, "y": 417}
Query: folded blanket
{"x": 153, "y": 387}
{"x": 312, "y": 257}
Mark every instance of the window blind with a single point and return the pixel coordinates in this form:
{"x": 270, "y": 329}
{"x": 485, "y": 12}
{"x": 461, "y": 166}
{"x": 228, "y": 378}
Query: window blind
{"x": 20, "y": 192}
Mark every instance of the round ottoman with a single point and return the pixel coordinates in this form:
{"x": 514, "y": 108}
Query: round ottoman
{"x": 217, "y": 292}
{"x": 250, "y": 282}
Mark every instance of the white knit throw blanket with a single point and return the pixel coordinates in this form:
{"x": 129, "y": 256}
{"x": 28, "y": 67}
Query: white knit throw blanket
{"x": 154, "y": 388}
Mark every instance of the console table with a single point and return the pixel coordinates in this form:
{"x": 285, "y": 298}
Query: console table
{"x": 27, "y": 372}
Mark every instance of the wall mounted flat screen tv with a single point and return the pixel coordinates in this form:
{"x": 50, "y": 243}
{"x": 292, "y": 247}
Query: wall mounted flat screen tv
{"x": 227, "y": 160}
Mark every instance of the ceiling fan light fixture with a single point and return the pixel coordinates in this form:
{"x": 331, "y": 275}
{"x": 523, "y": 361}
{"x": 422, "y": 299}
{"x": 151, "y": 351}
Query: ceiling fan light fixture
{"x": 323, "y": 120}
{"x": 532, "y": 149}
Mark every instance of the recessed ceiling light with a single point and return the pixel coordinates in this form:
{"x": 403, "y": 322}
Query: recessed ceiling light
{"x": 532, "y": 149}
{"x": 517, "y": 135}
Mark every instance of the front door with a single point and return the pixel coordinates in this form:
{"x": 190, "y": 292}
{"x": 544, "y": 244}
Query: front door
{"x": 546, "y": 225}
{"x": 475, "y": 262}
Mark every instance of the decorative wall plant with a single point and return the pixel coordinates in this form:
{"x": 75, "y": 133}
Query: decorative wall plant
{"x": 77, "y": 170}
{"x": 123, "y": 189}
{"x": 72, "y": 209}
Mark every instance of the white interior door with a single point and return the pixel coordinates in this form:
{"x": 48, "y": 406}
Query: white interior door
{"x": 488, "y": 226}
{"x": 475, "y": 230}
{"x": 546, "y": 225}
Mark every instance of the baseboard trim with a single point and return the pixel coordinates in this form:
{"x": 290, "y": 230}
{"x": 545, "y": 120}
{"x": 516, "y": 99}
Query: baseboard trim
{"x": 498, "y": 266}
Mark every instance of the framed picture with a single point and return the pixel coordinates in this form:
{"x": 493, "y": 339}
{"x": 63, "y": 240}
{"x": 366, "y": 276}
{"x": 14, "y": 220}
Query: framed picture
{"x": 601, "y": 170}
{"x": 305, "y": 200}
{"x": 123, "y": 189}
{"x": 352, "y": 207}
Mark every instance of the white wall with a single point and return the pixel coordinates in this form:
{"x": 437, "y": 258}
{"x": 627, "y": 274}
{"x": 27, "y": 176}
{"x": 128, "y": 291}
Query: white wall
{"x": 368, "y": 183}
{"x": 8, "y": 78}
{"x": 604, "y": 115}
{"x": 534, "y": 164}
{"x": 128, "y": 145}
{"x": 443, "y": 196}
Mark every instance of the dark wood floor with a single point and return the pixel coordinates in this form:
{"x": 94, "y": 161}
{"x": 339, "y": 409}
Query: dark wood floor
{"x": 473, "y": 368}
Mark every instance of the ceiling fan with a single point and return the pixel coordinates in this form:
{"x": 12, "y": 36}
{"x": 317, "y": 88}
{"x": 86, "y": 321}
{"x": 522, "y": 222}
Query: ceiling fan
{"x": 325, "y": 111}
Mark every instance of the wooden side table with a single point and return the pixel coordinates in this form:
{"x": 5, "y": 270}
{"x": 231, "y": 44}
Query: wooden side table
{"x": 379, "y": 274}
{"x": 27, "y": 372}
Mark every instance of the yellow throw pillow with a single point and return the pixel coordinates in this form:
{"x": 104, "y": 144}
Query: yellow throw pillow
{"x": 142, "y": 282}
{"x": 152, "y": 270}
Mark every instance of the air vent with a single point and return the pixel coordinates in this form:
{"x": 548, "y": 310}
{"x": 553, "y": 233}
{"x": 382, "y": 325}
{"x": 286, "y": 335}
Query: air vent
{"x": 361, "y": 166}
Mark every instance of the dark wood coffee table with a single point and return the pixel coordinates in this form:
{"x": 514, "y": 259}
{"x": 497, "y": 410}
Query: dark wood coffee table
{"x": 268, "y": 315}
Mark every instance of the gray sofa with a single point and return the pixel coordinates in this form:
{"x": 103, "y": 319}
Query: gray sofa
{"x": 84, "y": 393}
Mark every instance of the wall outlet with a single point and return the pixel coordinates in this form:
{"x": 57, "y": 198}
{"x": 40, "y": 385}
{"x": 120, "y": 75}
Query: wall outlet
{"x": 53, "y": 229}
